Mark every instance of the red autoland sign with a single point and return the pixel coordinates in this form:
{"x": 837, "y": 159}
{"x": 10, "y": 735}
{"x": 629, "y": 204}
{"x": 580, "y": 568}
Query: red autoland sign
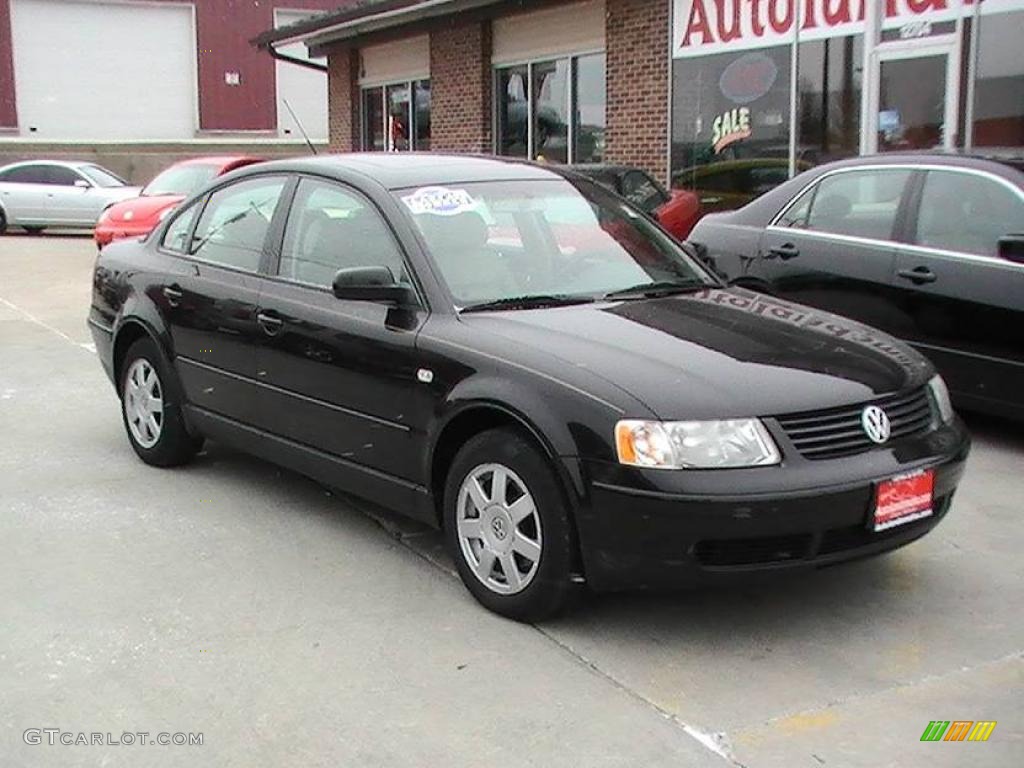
{"x": 702, "y": 27}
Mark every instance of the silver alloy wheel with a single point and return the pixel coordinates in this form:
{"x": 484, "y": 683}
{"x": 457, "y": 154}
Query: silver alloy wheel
{"x": 498, "y": 528}
{"x": 143, "y": 403}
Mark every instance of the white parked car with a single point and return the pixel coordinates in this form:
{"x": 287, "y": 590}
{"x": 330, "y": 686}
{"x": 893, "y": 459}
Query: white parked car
{"x": 54, "y": 193}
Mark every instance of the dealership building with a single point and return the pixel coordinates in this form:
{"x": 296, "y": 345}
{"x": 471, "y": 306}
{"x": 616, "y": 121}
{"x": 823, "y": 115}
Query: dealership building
{"x": 729, "y": 96}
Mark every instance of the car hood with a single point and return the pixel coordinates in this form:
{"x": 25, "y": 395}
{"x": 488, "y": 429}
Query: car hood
{"x": 716, "y": 353}
{"x": 142, "y": 208}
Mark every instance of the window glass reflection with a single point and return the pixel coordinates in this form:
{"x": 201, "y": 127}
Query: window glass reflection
{"x": 589, "y": 110}
{"x": 551, "y": 111}
{"x": 999, "y": 89}
{"x": 511, "y": 99}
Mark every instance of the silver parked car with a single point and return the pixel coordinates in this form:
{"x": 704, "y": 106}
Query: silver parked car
{"x": 53, "y": 193}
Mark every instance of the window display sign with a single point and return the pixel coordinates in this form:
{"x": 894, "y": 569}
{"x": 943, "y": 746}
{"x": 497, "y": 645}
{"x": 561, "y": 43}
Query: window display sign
{"x": 702, "y": 27}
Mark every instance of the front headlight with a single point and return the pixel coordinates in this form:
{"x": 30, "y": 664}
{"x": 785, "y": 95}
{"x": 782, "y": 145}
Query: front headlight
{"x": 695, "y": 444}
{"x": 940, "y": 398}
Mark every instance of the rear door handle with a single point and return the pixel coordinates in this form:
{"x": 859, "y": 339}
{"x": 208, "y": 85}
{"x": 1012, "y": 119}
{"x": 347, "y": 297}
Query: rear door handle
{"x": 269, "y": 322}
{"x": 918, "y": 275}
{"x": 785, "y": 251}
{"x": 173, "y": 294}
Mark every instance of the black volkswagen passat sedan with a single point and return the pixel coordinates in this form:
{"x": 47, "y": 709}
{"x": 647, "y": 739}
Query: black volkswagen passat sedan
{"x": 526, "y": 361}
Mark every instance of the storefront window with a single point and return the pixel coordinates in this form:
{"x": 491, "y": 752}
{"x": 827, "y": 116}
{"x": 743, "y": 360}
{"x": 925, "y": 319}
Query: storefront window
{"x": 540, "y": 105}
{"x": 373, "y": 119}
{"x": 513, "y": 108}
{"x": 389, "y": 120}
{"x": 730, "y": 125}
{"x": 398, "y": 121}
{"x": 421, "y": 115}
{"x": 589, "y": 110}
{"x": 551, "y": 111}
{"x": 829, "y": 90}
{"x": 999, "y": 87}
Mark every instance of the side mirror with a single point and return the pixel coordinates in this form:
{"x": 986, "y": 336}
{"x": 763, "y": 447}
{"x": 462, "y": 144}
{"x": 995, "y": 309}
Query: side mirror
{"x": 1011, "y": 248}
{"x": 82, "y": 184}
{"x": 371, "y": 284}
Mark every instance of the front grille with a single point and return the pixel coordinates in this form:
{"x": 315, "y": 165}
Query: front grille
{"x": 837, "y": 432}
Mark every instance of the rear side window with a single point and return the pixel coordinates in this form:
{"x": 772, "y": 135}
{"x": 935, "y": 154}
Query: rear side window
{"x": 855, "y": 203}
{"x": 233, "y": 226}
{"x": 26, "y": 174}
{"x": 967, "y": 213}
{"x": 177, "y": 231}
{"x": 331, "y": 228}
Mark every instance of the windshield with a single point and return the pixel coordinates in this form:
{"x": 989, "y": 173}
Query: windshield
{"x": 101, "y": 177}
{"x": 507, "y": 240}
{"x": 181, "y": 180}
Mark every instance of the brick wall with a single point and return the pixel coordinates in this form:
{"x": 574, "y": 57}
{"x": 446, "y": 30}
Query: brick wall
{"x": 343, "y": 99}
{"x": 460, "y": 86}
{"x": 637, "y": 54}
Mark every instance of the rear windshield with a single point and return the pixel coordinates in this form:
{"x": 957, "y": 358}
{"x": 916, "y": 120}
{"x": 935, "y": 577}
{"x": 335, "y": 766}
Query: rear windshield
{"x": 180, "y": 180}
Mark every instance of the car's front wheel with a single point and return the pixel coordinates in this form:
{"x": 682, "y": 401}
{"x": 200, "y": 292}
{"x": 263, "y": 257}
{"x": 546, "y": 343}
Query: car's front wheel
{"x": 151, "y": 415}
{"x": 507, "y": 526}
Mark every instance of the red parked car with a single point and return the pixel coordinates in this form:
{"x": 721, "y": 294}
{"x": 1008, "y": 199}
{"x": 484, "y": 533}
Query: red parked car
{"x": 677, "y": 211}
{"x": 138, "y": 216}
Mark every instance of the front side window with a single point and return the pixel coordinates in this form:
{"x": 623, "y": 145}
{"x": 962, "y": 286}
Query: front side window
{"x": 494, "y": 241}
{"x": 332, "y": 228}
{"x": 60, "y": 176}
{"x": 855, "y": 203}
{"x": 233, "y": 227}
{"x": 967, "y": 213}
{"x": 175, "y": 238}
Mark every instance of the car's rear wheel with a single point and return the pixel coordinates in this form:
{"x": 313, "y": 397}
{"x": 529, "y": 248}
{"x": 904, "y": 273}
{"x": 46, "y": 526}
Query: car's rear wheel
{"x": 507, "y": 526}
{"x": 152, "y": 417}
{"x": 3, "y": 222}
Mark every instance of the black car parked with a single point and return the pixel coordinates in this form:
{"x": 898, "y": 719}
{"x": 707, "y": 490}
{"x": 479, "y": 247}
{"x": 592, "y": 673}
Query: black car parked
{"x": 929, "y": 248}
{"x": 525, "y": 360}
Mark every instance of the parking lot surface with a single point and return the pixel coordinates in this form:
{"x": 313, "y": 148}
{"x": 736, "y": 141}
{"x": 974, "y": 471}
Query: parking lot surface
{"x": 291, "y": 627}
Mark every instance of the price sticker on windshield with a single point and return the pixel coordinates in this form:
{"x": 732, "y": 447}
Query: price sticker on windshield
{"x": 439, "y": 201}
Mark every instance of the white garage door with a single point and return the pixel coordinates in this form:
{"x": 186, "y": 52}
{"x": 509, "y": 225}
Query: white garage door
{"x": 304, "y": 89}
{"x": 104, "y": 71}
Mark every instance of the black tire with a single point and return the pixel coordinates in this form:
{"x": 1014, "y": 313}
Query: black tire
{"x": 549, "y": 590}
{"x": 34, "y": 230}
{"x": 174, "y": 445}
{"x": 3, "y": 222}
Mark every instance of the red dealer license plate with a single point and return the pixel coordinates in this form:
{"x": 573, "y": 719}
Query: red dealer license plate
{"x": 904, "y": 499}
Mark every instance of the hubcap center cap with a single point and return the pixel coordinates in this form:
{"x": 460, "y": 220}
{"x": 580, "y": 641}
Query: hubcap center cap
{"x": 497, "y": 529}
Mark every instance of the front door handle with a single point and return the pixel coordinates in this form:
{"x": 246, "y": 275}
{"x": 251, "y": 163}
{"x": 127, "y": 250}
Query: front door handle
{"x": 918, "y": 275}
{"x": 173, "y": 294}
{"x": 270, "y": 323}
{"x": 785, "y": 252}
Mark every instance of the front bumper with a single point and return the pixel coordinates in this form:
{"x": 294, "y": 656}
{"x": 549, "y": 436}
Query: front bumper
{"x": 657, "y": 529}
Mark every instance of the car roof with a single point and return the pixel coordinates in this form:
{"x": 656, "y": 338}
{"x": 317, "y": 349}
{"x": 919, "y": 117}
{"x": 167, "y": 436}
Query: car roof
{"x": 398, "y": 170}
{"x": 219, "y": 160}
{"x": 44, "y": 161}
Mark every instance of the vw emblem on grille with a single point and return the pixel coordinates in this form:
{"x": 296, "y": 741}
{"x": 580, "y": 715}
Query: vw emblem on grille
{"x": 876, "y": 424}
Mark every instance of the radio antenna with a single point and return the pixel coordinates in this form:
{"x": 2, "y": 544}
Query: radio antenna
{"x": 299, "y": 124}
